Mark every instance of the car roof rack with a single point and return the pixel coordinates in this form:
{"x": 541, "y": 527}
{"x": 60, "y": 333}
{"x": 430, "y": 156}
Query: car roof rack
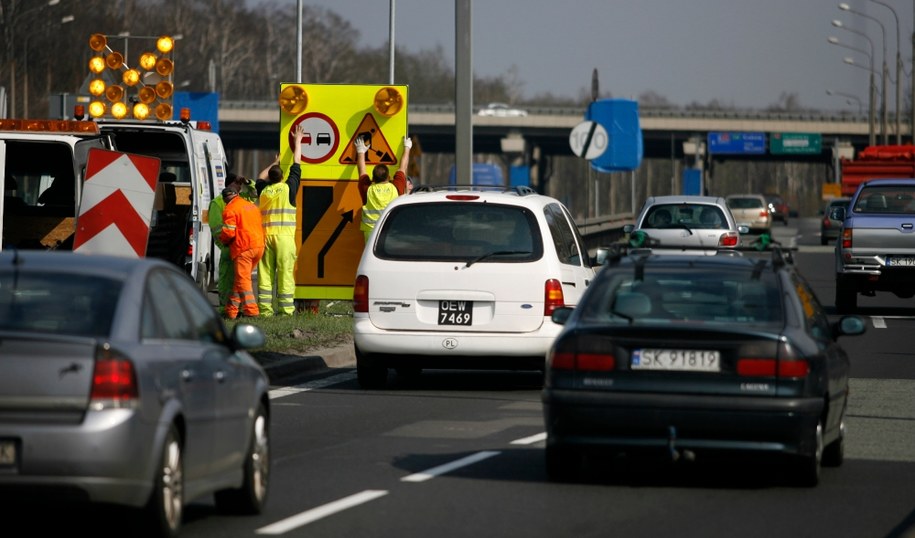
{"x": 520, "y": 190}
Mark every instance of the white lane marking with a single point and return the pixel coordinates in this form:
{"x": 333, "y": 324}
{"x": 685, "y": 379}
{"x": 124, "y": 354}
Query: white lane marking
{"x": 879, "y": 322}
{"x": 310, "y": 516}
{"x": 312, "y": 385}
{"x": 530, "y": 440}
{"x": 448, "y": 467}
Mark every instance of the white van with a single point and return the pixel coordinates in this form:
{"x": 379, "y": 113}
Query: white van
{"x": 43, "y": 168}
{"x": 465, "y": 278}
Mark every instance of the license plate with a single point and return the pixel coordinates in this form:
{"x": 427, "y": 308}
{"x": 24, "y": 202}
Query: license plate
{"x": 7, "y": 453}
{"x": 688, "y": 360}
{"x": 900, "y": 261}
{"x": 455, "y": 312}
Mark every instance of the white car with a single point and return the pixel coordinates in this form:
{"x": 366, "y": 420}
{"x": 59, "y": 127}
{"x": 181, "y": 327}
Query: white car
{"x": 685, "y": 222}
{"x": 501, "y": 110}
{"x": 457, "y": 278}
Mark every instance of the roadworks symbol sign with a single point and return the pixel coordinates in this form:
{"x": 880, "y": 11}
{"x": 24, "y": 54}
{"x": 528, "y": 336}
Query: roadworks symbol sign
{"x": 380, "y": 151}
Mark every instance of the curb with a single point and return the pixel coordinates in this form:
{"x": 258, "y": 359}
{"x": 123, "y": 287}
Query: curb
{"x": 280, "y": 366}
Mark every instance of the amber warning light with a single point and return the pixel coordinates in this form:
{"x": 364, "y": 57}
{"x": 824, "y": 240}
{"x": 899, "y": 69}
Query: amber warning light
{"x": 123, "y": 87}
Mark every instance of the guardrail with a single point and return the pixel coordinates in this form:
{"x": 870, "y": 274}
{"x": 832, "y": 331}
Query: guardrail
{"x": 602, "y": 231}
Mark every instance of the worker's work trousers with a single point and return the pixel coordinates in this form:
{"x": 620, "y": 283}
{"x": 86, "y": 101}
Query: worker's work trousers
{"x": 276, "y": 276}
{"x": 226, "y": 276}
{"x": 242, "y": 296}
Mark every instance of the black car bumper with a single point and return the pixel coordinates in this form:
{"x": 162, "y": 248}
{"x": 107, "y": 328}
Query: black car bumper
{"x": 627, "y": 421}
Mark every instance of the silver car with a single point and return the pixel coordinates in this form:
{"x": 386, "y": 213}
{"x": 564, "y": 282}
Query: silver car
{"x": 119, "y": 383}
{"x": 685, "y": 222}
{"x": 751, "y": 210}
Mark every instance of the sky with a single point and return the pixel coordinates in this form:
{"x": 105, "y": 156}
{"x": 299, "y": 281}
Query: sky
{"x": 743, "y": 53}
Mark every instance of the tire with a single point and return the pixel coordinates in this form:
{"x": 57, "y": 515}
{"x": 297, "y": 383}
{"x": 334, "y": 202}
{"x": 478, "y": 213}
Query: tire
{"x": 846, "y": 296}
{"x": 371, "y": 376}
{"x": 824, "y": 240}
{"x": 834, "y": 453}
{"x": 562, "y": 463}
{"x": 165, "y": 507}
{"x": 251, "y": 497}
{"x": 810, "y": 466}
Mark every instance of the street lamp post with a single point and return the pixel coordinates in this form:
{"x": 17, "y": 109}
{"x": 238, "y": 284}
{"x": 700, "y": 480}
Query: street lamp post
{"x": 9, "y": 34}
{"x": 883, "y": 114}
{"x": 872, "y": 91}
{"x": 849, "y": 98}
{"x": 898, "y": 72}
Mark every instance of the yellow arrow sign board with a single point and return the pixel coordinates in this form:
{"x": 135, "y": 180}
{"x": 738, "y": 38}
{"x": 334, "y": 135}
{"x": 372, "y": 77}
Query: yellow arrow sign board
{"x": 330, "y": 208}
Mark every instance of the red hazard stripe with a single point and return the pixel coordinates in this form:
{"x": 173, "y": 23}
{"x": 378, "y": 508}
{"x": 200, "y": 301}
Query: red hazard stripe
{"x": 102, "y": 215}
{"x": 101, "y": 158}
{"x": 148, "y": 168}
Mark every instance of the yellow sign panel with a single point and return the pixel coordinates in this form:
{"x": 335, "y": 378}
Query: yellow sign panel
{"x": 330, "y": 207}
{"x": 831, "y": 190}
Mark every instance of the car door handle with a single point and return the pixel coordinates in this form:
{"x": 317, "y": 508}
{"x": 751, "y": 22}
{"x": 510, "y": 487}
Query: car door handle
{"x": 187, "y": 375}
{"x": 219, "y": 376}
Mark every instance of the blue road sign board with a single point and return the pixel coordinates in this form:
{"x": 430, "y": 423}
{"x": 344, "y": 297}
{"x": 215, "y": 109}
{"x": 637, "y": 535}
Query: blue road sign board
{"x": 204, "y": 107}
{"x": 620, "y": 118}
{"x": 736, "y": 143}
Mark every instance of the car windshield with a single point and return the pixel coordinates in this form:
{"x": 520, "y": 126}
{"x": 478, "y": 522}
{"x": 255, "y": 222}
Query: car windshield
{"x": 675, "y": 295}
{"x": 886, "y": 199}
{"x": 450, "y": 231}
{"x": 37, "y": 302}
{"x": 685, "y": 215}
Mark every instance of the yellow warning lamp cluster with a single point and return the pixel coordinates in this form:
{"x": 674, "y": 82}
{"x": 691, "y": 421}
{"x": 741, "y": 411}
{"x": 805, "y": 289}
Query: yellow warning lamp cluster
{"x": 388, "y": 101}
{"x": 144, "y": 91}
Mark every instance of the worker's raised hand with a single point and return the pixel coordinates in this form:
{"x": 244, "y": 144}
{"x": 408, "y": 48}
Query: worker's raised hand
{"x": 407, "y": 142}
{"x": 361, "y": 146}
{"x": 300, "y": 130}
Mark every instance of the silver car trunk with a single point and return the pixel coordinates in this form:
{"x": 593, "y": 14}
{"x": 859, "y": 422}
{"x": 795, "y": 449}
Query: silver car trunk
{"x": 42, "y": 380}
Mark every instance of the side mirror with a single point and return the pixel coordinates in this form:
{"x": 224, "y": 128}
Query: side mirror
{"x": 561, "y": 315}
{"x": 600, "y": 256}
{"x": 628, "y": 228}
{"x": 849, "y": 326}
{"x": 247, "y": 336}
{"x": 837, "y": 213}
{"x": 743, "y": 229}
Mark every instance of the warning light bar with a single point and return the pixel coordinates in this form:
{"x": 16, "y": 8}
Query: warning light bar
{"x": 53, "y": 126}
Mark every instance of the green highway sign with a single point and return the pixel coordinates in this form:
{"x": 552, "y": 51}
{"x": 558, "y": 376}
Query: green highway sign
{"x": 795, "y": 143}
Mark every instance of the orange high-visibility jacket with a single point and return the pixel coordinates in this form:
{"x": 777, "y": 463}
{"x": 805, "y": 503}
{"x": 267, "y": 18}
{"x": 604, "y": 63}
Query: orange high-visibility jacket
{"x": 242, "y": 228}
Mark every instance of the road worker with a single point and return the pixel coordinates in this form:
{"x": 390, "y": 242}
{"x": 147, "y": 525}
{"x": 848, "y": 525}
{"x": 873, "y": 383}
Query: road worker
{"x": 381, "y": 189}
{"x": 243, "y": 232}
{"x": 226, "y": 273}
{"x": 277, "y": 199}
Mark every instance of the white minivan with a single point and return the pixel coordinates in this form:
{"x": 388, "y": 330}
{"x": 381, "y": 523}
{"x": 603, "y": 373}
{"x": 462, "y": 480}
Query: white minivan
{"x": 465, "y": 277}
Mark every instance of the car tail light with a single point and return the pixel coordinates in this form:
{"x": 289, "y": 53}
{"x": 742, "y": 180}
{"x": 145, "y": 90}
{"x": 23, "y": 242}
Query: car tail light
{"x": 114, "y": 381}
{"x": 552, "y": 298}
{"x": 190, "y": 241}
{"x": 729, "y": 239}
{"x": 826, "y": 222}
{"x": 462, "y": 197}
{"x": 361, "y": 294}
{"x": 846, "y": 238}
{"x": 786, "y": 366}
{"x": 586, "y": 353}
{"x": 764, "y": 213}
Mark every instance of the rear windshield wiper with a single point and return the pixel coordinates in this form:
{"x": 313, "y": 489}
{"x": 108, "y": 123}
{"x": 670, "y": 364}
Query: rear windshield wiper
{"x": 495, "y": 253}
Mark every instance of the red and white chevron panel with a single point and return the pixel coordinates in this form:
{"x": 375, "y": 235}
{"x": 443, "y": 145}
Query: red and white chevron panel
{"x": 117, "y": 204}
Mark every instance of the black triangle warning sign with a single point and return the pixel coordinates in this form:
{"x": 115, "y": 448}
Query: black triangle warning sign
{"x": 380, "y": 151}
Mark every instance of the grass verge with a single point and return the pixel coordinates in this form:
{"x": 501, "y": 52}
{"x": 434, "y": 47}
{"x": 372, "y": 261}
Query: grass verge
{"x": 303, "y": 332}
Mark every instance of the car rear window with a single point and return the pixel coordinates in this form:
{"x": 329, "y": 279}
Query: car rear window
{"x": 887, "y": 199}
{"x": 78, "y": 305}
{"x": 455, "y": 231}
{"x": 691, "y": 215}
{"x": 724, "y": 296}
{"x": 745, "y": 203}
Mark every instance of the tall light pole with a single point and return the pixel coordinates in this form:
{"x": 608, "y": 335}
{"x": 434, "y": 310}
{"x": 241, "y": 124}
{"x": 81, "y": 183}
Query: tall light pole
{"x": 898, "y": 72}
{"x": 11, "y": 21}
{"x": 845, "y": 7}
{"x": 849, "y": 98}
{"x": 872, "y": 91}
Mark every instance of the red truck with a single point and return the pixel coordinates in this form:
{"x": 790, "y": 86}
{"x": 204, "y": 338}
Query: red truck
{"x": 897, "y": 161}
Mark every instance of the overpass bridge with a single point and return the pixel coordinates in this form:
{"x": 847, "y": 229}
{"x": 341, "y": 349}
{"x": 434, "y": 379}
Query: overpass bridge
{"x": 254, "y": 125}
